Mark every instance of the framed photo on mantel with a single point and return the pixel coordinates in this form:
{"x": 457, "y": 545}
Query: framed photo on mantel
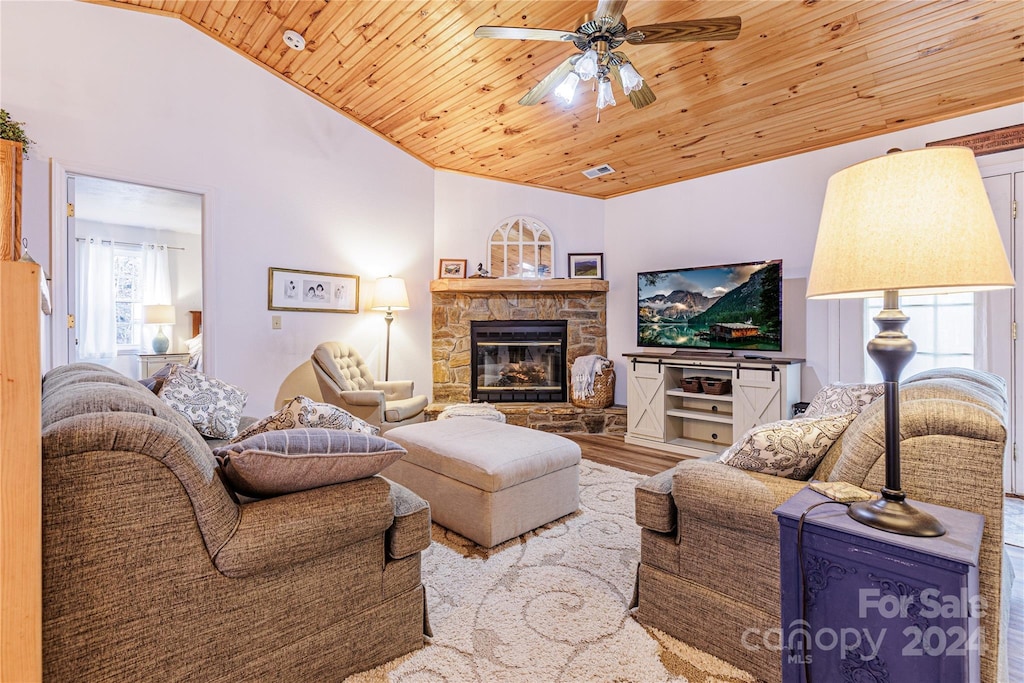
{"x": 587, "y": 266}
{"x": 451, "y": 268}
{"x": 307, "y": 290}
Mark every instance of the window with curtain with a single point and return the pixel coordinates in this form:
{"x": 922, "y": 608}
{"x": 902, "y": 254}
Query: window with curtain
{"x": 941, "y": 325}
{"x": 115, "y": 280}
{"x": 128, "y": 297}
{"x": 521, "y": 247}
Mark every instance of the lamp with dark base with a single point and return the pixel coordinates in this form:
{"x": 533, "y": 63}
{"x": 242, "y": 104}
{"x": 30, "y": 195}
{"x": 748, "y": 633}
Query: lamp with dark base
{"x": 389, "y": 295}
{"x": 892, "y": 349}
{"x": 917, "y": 222}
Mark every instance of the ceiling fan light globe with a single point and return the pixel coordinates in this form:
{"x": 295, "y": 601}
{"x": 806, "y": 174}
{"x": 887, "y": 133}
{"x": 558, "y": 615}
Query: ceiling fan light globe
{"x": 567, "y": 88}
{"x": 586, "y": 67}
{"x": 631, "y": 79}
{"x": 604, "y": 94}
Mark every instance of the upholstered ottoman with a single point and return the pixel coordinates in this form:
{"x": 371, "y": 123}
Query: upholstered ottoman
{"x": 486, "y": 480}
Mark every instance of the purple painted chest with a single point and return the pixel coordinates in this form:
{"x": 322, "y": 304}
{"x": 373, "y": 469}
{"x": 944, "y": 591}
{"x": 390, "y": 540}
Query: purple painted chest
{"x": 866, "y": 606}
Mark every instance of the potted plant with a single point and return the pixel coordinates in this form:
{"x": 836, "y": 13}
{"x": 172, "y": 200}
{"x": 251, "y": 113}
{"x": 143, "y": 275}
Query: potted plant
{"x": 12, "y": 130}
{"x": 12, "y": 140}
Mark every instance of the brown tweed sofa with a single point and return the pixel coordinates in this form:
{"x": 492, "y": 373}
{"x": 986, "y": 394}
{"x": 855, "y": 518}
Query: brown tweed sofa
{"x": 152, "y": 571}
{"x": 709, "y": 558}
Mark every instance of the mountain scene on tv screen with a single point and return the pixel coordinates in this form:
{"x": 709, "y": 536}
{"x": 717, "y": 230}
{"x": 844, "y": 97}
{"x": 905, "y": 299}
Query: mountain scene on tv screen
{"x": 730, "y": 307}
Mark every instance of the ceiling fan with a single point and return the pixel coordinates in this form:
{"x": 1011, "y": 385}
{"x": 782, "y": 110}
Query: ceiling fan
{"x": 597, "y": 37}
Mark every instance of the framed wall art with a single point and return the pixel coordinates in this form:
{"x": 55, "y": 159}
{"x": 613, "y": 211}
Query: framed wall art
{"x": 451, "y": 268}
{"x": 307, "y": 290}
{"x": 586, "y": 266}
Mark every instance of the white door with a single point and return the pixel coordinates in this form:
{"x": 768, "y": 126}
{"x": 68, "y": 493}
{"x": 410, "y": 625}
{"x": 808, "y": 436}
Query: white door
{"x": 1005, "y": 310}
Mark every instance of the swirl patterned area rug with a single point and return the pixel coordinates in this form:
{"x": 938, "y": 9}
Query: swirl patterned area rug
{"x": 549, "y": 606}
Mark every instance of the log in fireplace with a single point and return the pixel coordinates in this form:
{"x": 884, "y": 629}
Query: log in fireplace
{"x": 518, "y": 360}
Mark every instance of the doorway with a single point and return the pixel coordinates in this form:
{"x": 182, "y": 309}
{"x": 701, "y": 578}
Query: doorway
{"x": 134, "y": 285}
{"x": 1005, "y": 186}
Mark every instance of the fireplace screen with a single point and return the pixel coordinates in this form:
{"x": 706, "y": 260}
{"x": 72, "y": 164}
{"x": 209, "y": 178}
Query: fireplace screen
{"x": 519, "y": 361}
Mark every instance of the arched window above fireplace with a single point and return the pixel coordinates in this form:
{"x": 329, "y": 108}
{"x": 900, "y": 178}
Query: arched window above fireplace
{"x": 521, "y": 247}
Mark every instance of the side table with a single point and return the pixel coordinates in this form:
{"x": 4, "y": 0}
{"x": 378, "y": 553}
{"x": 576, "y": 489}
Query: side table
{"x": 859, "y": 604}
{"x": 151, "y": 362}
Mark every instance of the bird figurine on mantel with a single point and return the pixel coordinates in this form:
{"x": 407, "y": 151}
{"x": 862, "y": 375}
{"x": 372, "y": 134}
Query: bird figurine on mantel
{"x": 481, "y": 271}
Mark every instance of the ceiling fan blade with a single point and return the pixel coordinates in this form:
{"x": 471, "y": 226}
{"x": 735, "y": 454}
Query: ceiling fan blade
{"x": 609, "y": 11}
{"x": 515, "y": 33}
{"x": 722, "y": 28}
{"x": 638, "y": 98}
{"x": 549, "y": 82}
{"x": 642, "y": 97}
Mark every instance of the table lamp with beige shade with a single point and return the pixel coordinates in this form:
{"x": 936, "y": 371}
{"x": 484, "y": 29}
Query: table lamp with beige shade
{"x": 159, "y": 314}
{"x": 917, "y": 222}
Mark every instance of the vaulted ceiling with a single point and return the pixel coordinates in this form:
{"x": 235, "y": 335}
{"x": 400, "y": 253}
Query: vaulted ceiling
{"x": 803, "y": 74}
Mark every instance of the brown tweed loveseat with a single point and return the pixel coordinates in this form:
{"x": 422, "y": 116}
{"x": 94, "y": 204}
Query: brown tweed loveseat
{"x": 709, "y": 556}
{"x": 152, "y": 571}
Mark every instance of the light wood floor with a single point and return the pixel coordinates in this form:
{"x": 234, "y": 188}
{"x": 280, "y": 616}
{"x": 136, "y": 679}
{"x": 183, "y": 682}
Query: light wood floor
{"x": 614, "y": 451}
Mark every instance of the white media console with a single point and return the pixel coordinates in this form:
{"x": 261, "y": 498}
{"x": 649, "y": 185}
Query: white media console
{"x": 662, "y": 414}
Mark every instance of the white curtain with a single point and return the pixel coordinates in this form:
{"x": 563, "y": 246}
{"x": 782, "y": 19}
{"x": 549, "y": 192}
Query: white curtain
{"x": 97, "y": 327}
{"x": 156, "y": 275}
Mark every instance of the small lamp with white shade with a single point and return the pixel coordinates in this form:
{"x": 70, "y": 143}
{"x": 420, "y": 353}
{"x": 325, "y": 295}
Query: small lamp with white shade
{"x": 389, "y": 295}
{"x": 159, "y": 314}
{"x": 917, "y": 221}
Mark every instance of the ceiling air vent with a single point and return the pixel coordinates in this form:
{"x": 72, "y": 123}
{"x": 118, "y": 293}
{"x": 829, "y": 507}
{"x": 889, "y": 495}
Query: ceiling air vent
{"x": 603, "y": 169}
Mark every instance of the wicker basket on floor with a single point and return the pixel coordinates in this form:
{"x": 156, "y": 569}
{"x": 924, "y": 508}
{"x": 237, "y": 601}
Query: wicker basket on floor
{"x": 604, "y": 390}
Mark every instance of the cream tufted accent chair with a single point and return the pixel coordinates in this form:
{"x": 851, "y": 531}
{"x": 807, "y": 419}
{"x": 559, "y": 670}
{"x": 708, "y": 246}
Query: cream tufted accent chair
{"x": 346, "y": 382}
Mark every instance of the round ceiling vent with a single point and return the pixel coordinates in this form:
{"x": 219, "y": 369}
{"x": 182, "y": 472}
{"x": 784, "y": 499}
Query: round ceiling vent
{"x": 294, "y": 40}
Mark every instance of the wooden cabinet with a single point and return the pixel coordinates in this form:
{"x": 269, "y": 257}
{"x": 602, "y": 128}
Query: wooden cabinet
{"x": 21, "y": 553}
{"x": 873, "y": 605}
{"x": 667, "y": 407}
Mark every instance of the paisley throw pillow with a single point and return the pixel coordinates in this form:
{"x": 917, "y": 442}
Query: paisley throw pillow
{"x": 212, "y": 406}
{"x": 837, "y": 398}
{"x": 303, "y": 412}
{"x": 787, "y": 448}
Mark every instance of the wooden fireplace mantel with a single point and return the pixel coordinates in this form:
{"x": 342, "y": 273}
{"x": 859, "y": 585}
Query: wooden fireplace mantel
{"x": 483, "y": 285}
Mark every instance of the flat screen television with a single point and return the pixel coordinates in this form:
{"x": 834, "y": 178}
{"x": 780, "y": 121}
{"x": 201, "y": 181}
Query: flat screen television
{"x": 736, "y": 306}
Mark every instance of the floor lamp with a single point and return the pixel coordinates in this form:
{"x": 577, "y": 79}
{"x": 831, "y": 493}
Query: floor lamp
{"x": 917, "y": 222}
{"x": 389, "y": 295}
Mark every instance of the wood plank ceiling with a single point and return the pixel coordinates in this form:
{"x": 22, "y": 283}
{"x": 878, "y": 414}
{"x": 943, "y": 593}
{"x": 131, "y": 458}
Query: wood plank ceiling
{"x": 803, "y": 74}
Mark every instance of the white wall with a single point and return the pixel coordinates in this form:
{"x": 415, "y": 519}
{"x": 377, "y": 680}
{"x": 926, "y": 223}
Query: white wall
{"x": 467, "y": 209}
{"x": 766, "y": 211}
{"x": 289, "y": 183}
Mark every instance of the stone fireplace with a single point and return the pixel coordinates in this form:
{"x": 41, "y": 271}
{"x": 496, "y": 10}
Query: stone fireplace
{"x": 456, "y": 303}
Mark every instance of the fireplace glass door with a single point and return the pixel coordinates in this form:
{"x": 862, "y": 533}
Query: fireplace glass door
{"x": 519, "y": 361}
